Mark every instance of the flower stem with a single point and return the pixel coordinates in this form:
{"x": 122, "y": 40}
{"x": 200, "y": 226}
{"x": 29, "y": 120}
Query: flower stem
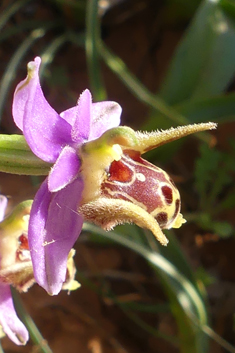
{"x": 91, "y": 45}
{"x": 17, "y": 158}
{"x": 32, "y": 328}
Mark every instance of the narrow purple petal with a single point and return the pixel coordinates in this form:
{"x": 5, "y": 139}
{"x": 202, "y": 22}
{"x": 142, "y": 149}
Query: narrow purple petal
{"x": 11, "y": 324}
{"x": 43, "y": 128}
{"x": 105, "y": 115}
{"x": 3, "y": 206}
{"x": 53, "y": 229}
{"x": 69, "y": 115}
{"x": 82, "y": 123}
{"x": 64, "y": 170}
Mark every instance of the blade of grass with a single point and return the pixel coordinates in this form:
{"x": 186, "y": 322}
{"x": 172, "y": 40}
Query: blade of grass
{"x": 190, "y": 319}
{"x": 35, "y": 334}
{"x": 24, "y": 26}
{"x": 144, "y": 95}
{"x": 137, "y": 88}
{"x": 49, "y": 53}
{"x": 151, "y": 330}
{"x": 11, "y": 10}
{"x": 14, "y": 63}
{"x": 175, "y": 255}
{"x": 185, "y": 300}
{"x": 218, "y": 108}
{"x": 110, "y": 295}
{"x": 159, "y": 262}
{"x": 217, "y": 338}
{"x": 93, "y": 62}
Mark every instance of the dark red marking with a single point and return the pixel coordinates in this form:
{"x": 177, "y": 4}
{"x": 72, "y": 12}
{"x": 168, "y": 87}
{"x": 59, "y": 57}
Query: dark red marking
{"x": 177, "y": 208}
{"x": 118, "y": 171}
{"x": 167, "y": 193}
{"x": 24, "y": 245}
{"x": 162, "y": 219}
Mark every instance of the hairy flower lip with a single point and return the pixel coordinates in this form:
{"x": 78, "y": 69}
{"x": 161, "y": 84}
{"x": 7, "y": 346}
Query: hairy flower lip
{"x": 107, "y": 213}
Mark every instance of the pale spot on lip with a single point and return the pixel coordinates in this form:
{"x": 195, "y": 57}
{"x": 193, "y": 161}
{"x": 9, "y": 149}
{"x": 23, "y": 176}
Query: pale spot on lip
{"x": 140, "y": 177}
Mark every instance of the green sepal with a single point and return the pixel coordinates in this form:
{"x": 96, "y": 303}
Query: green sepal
{"x": 17, "y": 158}
{"x": 121, "y": 135}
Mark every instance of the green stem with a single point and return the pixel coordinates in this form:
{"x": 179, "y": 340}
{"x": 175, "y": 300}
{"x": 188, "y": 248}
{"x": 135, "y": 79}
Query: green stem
{"x": 35, "y": 334}
{"x": 17, "y": 158}
{"x": 91, "y": 45}
{"x": 49, "y": 53}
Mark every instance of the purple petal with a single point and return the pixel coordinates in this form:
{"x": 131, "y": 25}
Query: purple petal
{"x": 11, "y": 324}
{"x": 64, "y": 170}
{"x": 69, "y": 115}
{"x": 44, "y": 130}
{"x": 54, "y": 227}
{"x": 105, "y": 115}
{"x": 3, "y": 206}
{"x": 80, "y": 117}
{"x": 82, "y": 123}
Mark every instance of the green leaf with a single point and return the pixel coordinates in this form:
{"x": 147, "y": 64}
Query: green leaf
{"x": 204, "y": 62}
{"x": 213, "y": 172}
{"x": 92, "y": 53}
{"x": 217, "y": 109}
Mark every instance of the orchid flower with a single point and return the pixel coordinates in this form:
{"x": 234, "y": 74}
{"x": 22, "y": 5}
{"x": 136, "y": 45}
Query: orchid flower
{"x": 98, "y": 175}
{"x": 14, "y": 268}
{"x": 54, "y": 223}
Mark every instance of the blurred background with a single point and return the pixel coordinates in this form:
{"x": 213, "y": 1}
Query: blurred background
{"x": 167, "y": 63}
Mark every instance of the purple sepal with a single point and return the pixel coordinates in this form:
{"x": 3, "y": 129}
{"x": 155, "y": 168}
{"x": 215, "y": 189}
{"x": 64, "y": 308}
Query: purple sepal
{"x": 82, "y": 123}
{"x": 105, "y": 115}
{"x": 11, "y": 324}
{"x": 44, "y": 130}
{"x": 64, "y": 170}
{"x": 53, "y": 229}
